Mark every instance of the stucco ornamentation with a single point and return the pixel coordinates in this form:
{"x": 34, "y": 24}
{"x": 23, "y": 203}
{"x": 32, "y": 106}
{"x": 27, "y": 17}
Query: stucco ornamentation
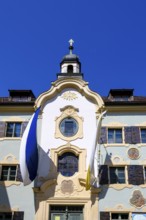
{"x": 71, "y": 112}
{"x": 9, "y": 159}
{"x": 120, "y": 208}
{"x": 137, "y": 199}
{"x": 69, "y": 96}
{"x": 116, "y": 159}
{"x": 67, "y": 186}
{"x": 133, "y": 153}
{"x": 72, "y": 83}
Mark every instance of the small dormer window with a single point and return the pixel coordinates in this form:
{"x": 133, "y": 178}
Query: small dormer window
{"x": 121, "y": 95}
{"x": 121, "y": 98}
{"x": 70, "y": 69}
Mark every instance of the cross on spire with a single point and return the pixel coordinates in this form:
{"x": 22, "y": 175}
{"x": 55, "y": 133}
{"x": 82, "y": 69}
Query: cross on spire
{"x": 71, "y": 45}
{"x": 71, "y": 42}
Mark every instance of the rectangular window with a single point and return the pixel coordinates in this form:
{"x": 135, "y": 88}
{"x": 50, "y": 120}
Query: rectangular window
{"x": 115, "y": 216}
{"x": 5, "y": 216}
{"x": 115, "y": 135}
{"x": 143, "y": 135}
{"x": 144, "y": 174}
{"x": 139, "y": 216}
{"x": 13, "y": 129}
{"x": 11, "y": 215}
{"x": 117, "y": 175}
{"x": 121, "y": 98}
{"x": 8, "y": 173}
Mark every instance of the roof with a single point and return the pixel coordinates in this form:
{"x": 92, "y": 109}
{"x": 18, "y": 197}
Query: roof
{"x": 21, "y": 93}
{"x": 136, "y": 100}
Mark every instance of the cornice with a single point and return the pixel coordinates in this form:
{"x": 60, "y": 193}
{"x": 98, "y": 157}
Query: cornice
{"x": 17, "y": 108}
{"x": 80, "y": 85}
{"x": 135, "y": 108}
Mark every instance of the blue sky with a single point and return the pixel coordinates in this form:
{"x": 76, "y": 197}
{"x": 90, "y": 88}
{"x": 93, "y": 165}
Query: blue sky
{"x": 109, "y": 35}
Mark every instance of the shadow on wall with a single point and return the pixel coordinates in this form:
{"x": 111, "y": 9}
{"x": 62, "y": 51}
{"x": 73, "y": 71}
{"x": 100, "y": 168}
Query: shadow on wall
{"x": 4, "y": 199}
{"x": 103, "y": 176}
{"x": 45, "y": 183}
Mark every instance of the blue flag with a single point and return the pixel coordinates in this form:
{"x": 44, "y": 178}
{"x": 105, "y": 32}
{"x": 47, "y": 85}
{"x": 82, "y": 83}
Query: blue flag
{"x": 29, "y": 151}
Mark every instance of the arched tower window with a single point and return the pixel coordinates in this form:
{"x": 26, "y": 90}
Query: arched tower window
{"x": 70, "y": 69}
{"x": 68, "y": 164}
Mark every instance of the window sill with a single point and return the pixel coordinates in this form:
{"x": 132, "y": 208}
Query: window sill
{"x": 120, "y": 186}
{"x": 10, "y": 138}
{"x": 143, "y": 186}
{"x": 9, "y": 183}
{"x": 116, "y": 145}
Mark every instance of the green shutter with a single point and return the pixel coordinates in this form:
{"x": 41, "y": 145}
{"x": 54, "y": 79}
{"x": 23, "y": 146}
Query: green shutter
{"x": 132, "y": 135}
{"x": 24, "y": 125}
{"x": 128, "y": 137}
{"x": 135, "y": 133}
{"x": 104, "y": 216}
{"x": 19, "y": 176}
{"x": 2, "y": 129}
{"x": 135, "y": 174}
{"x": 103, "y": 175}
{"x": 18, "y": 216}
{"x": 103, "y": 135}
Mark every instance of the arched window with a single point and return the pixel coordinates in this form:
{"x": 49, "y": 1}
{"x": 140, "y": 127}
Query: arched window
{"x": 68, "y": 164}
{"x": 70, "y": 69}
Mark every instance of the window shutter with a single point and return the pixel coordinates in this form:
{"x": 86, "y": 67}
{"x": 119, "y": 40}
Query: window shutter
{"x": 103, "y": 135}
{"x": 18, "y": 216}
{"x": 132, "y": 135}
{"x": 135, "y": 133}
{"x": 128, "y": 136}
{"x": 104, "y": 216}
{"x": 135, "y": 174}
{"x": 103, "y": 174}
{"x": 24, "y": 125}
{"x": 19, "y": 176}
{"x": 2, "y": 129}
{"x": 0, "y": 171}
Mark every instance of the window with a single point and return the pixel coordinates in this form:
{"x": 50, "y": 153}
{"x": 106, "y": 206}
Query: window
{"x": 139, "y": 216}
{"x": 8, "y": 173}
{"x": 66, "y": 212}
{"x": 118, "y": 216}
{"x": 115, "y": 135}
{"x": 11, "y": 215}
{"x": 13, "y": 129}
{"x": 121, "y": 98}
{"x": 117, "y": 175}
{"x": 68, "y": 164}
{"x": 5, "y": 216}
{"x": 21, "y": 98}
{"x": 143, "y": 135}
{"x": 144, "y": 174}
{"x": 68, "y": 127}
{"x": 70, "y": 69}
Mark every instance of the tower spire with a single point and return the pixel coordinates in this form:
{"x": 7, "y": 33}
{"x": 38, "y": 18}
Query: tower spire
{"x": 70, "y": 65}
{"x": 71, "y": 46}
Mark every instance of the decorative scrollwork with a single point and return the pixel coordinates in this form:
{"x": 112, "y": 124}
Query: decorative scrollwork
{"x": 69, "y": 96}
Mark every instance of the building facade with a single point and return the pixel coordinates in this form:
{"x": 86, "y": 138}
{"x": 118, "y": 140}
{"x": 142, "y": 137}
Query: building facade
{"x": 66, "y": 129}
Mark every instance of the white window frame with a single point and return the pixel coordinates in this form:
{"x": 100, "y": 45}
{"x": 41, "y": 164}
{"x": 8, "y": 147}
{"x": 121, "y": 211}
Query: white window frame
{"x": 13, "y": 130}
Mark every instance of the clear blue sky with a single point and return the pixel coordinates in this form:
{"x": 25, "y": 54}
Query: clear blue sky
{"x": 109, "y": 35}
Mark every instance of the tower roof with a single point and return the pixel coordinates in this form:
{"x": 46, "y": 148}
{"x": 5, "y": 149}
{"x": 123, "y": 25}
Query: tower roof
{"x": 70, "y": 57}
{"x": 70, "y": 65}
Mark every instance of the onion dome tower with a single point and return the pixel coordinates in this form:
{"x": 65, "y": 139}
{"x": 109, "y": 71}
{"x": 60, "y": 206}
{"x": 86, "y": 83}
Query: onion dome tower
{"x": 70, "y": 65}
